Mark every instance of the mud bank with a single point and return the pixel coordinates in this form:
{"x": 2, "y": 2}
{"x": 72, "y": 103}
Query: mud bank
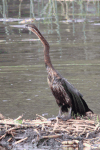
{"x": 43, "y": 133}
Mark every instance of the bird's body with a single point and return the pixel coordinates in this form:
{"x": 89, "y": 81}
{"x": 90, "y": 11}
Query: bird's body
{"x": 65, "y": 94}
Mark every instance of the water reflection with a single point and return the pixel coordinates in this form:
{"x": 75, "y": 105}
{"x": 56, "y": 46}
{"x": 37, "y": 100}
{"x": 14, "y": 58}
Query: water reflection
{"x": 72, "y": 29}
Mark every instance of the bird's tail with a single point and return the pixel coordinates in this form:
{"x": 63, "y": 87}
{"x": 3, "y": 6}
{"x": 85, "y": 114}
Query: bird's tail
{"x": 79, "y": 105}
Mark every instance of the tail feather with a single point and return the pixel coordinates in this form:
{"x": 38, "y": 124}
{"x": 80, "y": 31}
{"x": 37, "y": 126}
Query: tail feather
{"x": 78, "y": 103}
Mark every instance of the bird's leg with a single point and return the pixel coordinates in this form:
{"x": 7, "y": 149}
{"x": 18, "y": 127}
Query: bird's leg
{"x": 69, "y": 112}
{"x": 60, "y": 113}
{"x": 68, "y": 116}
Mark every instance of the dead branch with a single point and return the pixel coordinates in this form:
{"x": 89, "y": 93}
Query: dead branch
{"x": 21, "y": 140}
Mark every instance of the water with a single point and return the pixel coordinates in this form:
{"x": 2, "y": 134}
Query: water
{"x": 73, "y": 32}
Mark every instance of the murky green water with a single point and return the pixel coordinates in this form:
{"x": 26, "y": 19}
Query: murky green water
{"x": 73, "y": 32}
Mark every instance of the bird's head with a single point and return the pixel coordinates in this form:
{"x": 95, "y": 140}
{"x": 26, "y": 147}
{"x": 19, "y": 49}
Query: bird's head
{"x": 31, "y": 27}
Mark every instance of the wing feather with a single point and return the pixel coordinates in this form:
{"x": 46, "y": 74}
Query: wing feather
{"x": 78, "y": 103}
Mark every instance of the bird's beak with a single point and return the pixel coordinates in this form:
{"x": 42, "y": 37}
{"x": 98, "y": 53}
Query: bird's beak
{"x": 27, "y": 27}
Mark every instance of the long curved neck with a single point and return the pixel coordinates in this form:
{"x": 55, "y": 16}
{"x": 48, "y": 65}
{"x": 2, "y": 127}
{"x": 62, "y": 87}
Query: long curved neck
{"x": 46, "y": 47}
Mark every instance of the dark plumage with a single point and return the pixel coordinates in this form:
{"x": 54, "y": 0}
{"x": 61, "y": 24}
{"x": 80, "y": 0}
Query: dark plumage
{"x": 65, "y": 94}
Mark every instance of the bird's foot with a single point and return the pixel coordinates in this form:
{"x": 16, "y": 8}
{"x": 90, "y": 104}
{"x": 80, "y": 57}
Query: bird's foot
{"x": 65, "y": 118}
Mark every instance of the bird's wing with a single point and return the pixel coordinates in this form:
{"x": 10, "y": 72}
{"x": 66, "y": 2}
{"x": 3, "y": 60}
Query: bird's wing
{"x": 78, "y": 103}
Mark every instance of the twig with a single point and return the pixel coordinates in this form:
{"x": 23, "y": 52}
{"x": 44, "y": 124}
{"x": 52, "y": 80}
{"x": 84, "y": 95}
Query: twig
{"x": 97, "y": 126}
{"x": 41, "y": 117}
{"x": 2, "y": 136}
{"x": 51, "y": 136}
{"x": 56, "y": 124}
{"x": 9, "y": 139}
{"x": 37, "y": 131}
{"x": 70, "y": 142}
{"x": 92, "y": 133}
{"x": 14, "y": 128}
{"x": 87, "y": 145}
{"x": 21, "y": 140}
{"x": 20, "y": 117}
{"x": 83, "y": 131}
